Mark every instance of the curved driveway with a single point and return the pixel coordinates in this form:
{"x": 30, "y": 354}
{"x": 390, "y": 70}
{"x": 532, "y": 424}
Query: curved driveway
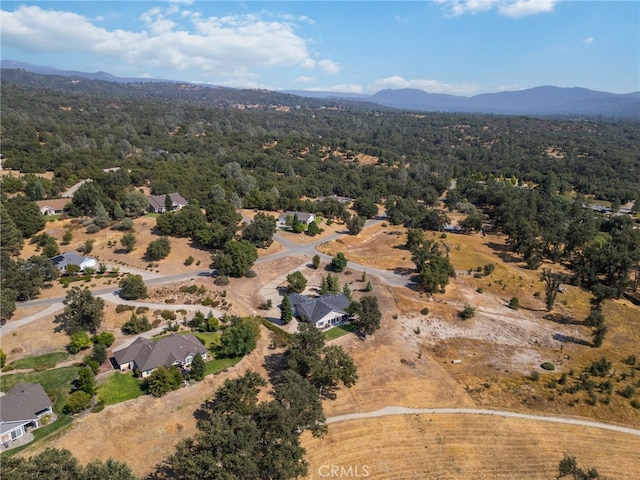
{"x": 386, "y": 411}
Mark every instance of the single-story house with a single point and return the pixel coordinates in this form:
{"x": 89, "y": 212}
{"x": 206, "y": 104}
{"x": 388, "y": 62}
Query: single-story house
{"x": 303, "y": 217}
{"x": 53, "y": 206}
{"x": 22, "y": 408}
{"x": 146, "y": 355}
{"x": 157, "y": 203}
{"x": 62, "y": 261}
{"x": 324, "y": 311}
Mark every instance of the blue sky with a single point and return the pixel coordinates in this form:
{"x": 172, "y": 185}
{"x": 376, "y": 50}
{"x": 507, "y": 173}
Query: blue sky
{"x": 460, "y": 47}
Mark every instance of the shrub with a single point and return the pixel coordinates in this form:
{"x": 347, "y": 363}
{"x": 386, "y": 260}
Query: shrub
{"x": 79, "y": 341}
{"x": 635, "y": 404}
{"x": 222, "y": 280}
{"x": 629, "y": 391}
{"x": 77, "y": 402}
{"x": 136, "y": 325}
{"x": 535, "y": 376}
{"x": 514, "y": 303}
{"x": 168, "y": 315}
{"x": 105, "y": 338}
{"x": 140, "y": 310}
{"x": 467, "y": 313}
{"x": 124, "y": 308}
{"x": 189, "y": 261}
{"x": 477, "y": 275}
{"x": 480, "y": 290}
{"x": 251, "y": 274}
{"x": 489, "y": 268}
{"x": 548, "y": 366}
{"x": 425, "y": 311}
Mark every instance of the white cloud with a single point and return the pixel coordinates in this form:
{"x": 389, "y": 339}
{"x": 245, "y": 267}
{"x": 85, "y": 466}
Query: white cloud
{"x": 329, "y": 67}
{"x": 401, "y": 19}
{"x": 509, "y": 8}
{"x": 224, "y": 45}
{"x": 431, "y": 86}
{"x": 303, "y": 79}
{"x": 588, "y": 40}
{"x": 522, "y": 8}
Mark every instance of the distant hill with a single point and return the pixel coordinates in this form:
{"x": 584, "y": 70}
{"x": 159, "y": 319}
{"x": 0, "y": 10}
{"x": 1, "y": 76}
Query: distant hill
{"x": 545, "y": 101}
{"x": 539, "y": 101}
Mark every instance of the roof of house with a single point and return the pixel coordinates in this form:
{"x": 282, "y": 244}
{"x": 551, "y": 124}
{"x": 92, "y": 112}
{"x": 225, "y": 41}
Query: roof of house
{"x": 69, "y": 258}
{"x": 304, "y": 217}
{"x": 157, "y": 201}
{"x": 53, "y": 203}
{"x": 23, "y": 402}
{"x": 148, "y": 354}
{"x": 314, "y": 309}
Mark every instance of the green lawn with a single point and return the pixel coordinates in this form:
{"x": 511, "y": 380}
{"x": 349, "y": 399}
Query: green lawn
{"x": 41, "y": 433}
{"x": 339, "y": 331}
{"x": 211, "y": 339}
{"x": 120, "y": 387}
{"x": 41, "y": 362}
{"x": 218, "y": 364}
{"x": 56, "y": 382}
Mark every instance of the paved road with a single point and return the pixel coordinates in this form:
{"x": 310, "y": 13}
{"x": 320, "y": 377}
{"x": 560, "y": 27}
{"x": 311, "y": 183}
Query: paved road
{"x": 386, "y": 411}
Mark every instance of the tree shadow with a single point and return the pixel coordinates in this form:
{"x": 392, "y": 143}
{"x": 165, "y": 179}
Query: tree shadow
{"x": 562, "y": 319}
{"x": 275, "y": 364}
{"x": 570, "y": 339}
{"x": 404, "y": 271}
{"x": 504, "y": 253}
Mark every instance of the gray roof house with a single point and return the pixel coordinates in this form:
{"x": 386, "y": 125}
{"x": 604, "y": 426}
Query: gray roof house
{"x": 62, "y": 261}
{"x": 146, "y": 355}
{"x": 21, "y": 408}
{"x": 324, "y": 312}
{"x": 303, "y": 217}
{"x": 157, "y": 202}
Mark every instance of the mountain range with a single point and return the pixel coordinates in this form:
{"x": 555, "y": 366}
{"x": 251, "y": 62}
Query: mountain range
{"x": 544, "y": 101}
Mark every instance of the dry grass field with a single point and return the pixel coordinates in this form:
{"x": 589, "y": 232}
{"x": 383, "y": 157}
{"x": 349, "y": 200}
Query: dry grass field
{"x": 461, "y": 447}
{"x": 408, "y": 363}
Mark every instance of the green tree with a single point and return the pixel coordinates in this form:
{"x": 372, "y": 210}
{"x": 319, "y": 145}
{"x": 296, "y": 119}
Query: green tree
{"x": 7, "y": 303}
{"x": 87, "y": 381}
{"x": 369, "y": 287}
{"x": 163, "y": 380}
{"x": 135, "y": 203}
{"x": 473, "y": 221}
{"x": 552, "y": 282}
{"x": 286, "y": 315}
{"x": 325, "y": 367}
{"x": 50, "y": 464}
{"x": 313, "y": 229}
{"x": 104, "y": 338}
{"x": 101, "y": 218}
{"x": 11, "y": 235}
{"x": 3, "y": 358}
{"x": 568, "y": 467}
{"x": 196, "y": 371}
{"x": 158, "y": 249}
{"x": 25, "y": 215}
{"x": 339, "y": 262}
{"x": 433, "y": 267}
{"x": 132, "y": 287}
{"x": 366, "y": 314}
{"x": 315, "y": 261}
{"x": 415, "y": 238}
{"x": 302, "y": 403}
{"x": 82, "y": 311}
{"x": 355, "y": 224}
{"x": 260, "y": 231}
{"x": 109, "y": 470}
{"x": 236, "y": 259}
{"x": 79, "y": 341}
{"x": 296, "y": 282}
{"x": 333, "y": 283}
{"x": 136, "y": 325}
{"x": 77, "y": 402}
{"x": 128, "y": 241}
{"x": 168, "y": 203}
{"x": 346, "y": 291}
{"x": 99, "y": 353}
{"x": 238, "y": 339}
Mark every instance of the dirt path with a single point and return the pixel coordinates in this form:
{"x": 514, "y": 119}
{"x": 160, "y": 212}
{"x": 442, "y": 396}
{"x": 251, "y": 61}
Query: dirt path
{"x": 392, "y": 410}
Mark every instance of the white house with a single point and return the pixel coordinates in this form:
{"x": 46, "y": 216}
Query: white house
{"x": 303, "y": 217}
{"x": 146, "y": 355}
{"x": 157, "y": 203}
{"x": 62, "y": 261}
{"x": 22, "y": 408}
{"x": 324, "y": 312}
{"x": 53, "y": 206}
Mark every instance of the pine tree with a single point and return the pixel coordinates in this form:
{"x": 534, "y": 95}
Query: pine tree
{"x": 285, "y": 311}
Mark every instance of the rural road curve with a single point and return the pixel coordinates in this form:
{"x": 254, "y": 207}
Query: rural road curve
{"x": 386, "y": 411}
